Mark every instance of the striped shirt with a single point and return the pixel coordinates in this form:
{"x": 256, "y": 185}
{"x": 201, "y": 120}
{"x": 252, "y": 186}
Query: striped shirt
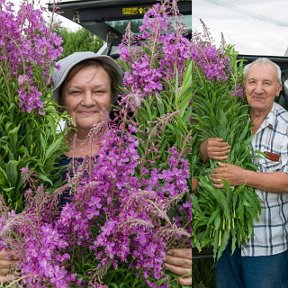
{"x": 270, "y": 234}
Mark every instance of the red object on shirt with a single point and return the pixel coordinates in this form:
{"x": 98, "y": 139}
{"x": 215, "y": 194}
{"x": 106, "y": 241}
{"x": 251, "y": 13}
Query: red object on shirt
{"x": 272, "y": 156}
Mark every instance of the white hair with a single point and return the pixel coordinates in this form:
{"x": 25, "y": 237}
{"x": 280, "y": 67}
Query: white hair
{"x": 263, "y": 60}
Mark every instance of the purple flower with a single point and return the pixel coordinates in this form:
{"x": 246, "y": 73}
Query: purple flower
{"x": 169, "y": 51}
{"x": 238, "y": 91}
{"x": 30, "y": 49}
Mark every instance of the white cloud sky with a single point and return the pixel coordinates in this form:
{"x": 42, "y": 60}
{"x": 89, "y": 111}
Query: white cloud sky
{"x": 44, "y": 3}
{"x": 248, "y": 34}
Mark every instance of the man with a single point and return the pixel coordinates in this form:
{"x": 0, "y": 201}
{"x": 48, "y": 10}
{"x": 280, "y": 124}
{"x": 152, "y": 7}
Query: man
{"x": 263, "y": 261}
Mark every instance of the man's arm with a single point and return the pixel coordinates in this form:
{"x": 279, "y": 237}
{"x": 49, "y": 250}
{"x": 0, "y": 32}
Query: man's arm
{"x": 276, "y": 182}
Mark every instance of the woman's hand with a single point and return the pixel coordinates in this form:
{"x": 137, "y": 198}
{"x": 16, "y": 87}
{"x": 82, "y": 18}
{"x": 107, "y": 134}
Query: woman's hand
{"x": 179, "y": 261}
{"x": 8, "y": 261}
{"x": 214, "y": 148}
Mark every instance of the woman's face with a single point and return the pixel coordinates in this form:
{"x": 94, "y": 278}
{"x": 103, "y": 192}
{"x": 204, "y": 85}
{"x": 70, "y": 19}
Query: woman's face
{"x": 87, "y": 94}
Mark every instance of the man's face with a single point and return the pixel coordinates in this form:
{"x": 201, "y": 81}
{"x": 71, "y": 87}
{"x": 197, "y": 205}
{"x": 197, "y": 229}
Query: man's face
{"x": 261, "y": 87}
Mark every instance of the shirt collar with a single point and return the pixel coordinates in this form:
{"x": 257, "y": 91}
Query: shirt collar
{"x": 270, "y": 120}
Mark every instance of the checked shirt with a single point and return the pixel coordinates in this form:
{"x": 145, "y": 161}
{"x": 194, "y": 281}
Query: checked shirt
{"x": 270, "y": 234}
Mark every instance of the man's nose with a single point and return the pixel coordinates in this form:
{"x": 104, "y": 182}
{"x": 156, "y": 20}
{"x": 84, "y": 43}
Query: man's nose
{"x": 259, "y": 88}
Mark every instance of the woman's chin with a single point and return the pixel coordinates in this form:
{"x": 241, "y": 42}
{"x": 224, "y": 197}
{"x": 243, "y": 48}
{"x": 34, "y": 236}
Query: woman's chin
{"x": 88, "y": 123}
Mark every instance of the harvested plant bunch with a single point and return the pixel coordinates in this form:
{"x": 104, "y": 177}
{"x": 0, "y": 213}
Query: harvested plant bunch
{"x": 219, "y": 110}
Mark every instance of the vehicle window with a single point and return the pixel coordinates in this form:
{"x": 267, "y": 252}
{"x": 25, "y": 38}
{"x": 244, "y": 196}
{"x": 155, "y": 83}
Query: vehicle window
{"x": 120, "y": 25}
{"x": 109, "y": 18}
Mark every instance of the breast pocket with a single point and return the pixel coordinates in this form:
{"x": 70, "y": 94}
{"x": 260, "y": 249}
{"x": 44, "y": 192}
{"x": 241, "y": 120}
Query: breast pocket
{"x": 270, "y": 164}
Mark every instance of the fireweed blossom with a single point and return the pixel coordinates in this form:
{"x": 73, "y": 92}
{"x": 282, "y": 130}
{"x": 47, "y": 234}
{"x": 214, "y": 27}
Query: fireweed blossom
{"x": 153, "y": 60}
{"x": 168, "y": 46}
{"x": 211, "y": 60}
{"x": 238, "y": 91}
{"x": 25, "y": 43}
{"x": 28, "y": 51}
{"x": 113, "y": 216}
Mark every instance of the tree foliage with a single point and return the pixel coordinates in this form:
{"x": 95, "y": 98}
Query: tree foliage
{"x": 80, "y": 40}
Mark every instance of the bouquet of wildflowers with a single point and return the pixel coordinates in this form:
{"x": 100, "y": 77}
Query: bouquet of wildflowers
{"x": 131, "y": 203}
{"x": 116, "y": 226}
{"x": 220, "y": 110}
{"x": 29, "y": 143}
{"x": 158, "y": 74}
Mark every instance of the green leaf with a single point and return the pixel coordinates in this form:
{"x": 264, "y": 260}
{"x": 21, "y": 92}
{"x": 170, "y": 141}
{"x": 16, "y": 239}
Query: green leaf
{"x": 44, "y": 178}
{"x": 13, "y": 138}
{"x": 11, "y": 170}
{"x": 53, "y": 147}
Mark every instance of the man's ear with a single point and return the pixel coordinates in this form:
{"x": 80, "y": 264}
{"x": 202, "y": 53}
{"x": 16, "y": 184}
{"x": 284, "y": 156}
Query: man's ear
{"x": 278, "y": 90}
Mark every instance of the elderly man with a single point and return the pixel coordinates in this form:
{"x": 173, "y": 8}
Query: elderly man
{"x": 263, "y": 261}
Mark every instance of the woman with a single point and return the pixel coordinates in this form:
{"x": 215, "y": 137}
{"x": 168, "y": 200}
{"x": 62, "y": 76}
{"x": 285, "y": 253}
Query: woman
{"x": 86, "y": 85}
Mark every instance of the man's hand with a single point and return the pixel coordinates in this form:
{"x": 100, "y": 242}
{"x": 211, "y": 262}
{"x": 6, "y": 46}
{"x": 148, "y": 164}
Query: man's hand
{"x": 179, "y": 261}
{"x": 235, "y": 175}
{"x": 214, "y": 148}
